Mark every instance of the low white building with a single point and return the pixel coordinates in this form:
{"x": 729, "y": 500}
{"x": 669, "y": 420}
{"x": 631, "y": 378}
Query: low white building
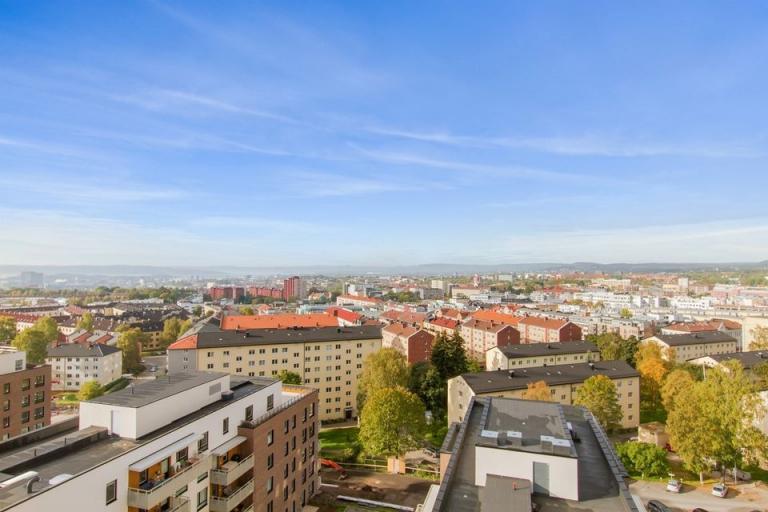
{"x": 74, "y": 364}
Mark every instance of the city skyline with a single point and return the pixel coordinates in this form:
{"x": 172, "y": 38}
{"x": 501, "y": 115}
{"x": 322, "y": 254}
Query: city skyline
{"x": 331, "y": 134}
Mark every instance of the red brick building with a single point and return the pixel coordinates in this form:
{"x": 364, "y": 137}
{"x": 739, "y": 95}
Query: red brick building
{"x": 482, "y": 335}
{"x": 535, "y": 329}
{"x": 26, "y": 394}
{"x": 226, "y": 292}
{"x": 414, "y": 343}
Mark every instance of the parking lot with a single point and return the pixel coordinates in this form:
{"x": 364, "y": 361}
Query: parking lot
{"x": 741, "y": 498}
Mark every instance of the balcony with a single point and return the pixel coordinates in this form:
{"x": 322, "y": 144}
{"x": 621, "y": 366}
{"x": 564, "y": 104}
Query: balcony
{"x": 230, "y": 471}
{"x": 228, "y": 503}
{"x": 152, "y": 494}
{"x": 180, "y": 504}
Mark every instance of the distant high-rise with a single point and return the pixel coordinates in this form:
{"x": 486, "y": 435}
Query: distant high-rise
{"x": 31, "y": 279}
{"x": 293, "y": 288}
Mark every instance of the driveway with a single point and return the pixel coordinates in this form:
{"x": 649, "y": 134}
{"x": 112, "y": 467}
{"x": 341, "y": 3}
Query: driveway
{"x": 742, "y": 498}
{"x": 161, "y": 362}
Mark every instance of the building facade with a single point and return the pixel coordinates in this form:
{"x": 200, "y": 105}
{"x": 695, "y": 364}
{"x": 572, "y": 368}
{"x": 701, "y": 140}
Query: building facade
{"x": 26, "y": 394}
{"x": 481, "y": 336}
{"x": 201, "y": 441}
{"x": 329, "y": 359}
{"x": 535, "y": 329}
{"x": 684, "y": 347}
{"x": 563, "y": 380}
{"x": 414, "y": 343}
{"x": 540, "y": 354}
{"x": 74, "y": 364}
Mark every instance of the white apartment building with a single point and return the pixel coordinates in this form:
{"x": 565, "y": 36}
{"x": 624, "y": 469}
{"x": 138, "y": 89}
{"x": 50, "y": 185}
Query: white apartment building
{"x": 187, "y": 442}
{"x": 73, "y": 364}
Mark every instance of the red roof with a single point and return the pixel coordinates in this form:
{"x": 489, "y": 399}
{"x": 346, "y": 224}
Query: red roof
{"x": 281, "y": 321}
{"x": 548, "y": 323}
{"x": 344, "y": 314}
{"x": 408, "y": 317}
{"x": 494, "y": 316}
{"x": 372, "y": 300}
{"x": 447, "y": 323}
{"x": 184, "y": 343}
{"x": 711, "y": 325}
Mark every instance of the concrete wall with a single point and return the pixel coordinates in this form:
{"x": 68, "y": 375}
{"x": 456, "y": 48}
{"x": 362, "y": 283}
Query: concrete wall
{"x": 563, "y": 471}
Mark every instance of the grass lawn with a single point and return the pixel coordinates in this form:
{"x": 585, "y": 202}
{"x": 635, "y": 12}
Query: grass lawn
{"x": 334, "y": 441}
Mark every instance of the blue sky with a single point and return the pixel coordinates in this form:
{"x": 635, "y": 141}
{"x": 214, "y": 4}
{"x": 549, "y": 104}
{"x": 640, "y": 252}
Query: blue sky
{"x": 297, "y": 133}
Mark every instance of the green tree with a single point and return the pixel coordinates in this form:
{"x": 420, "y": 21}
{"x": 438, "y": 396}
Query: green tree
{"x": 197, "y": 311}
{"x": 89, "y": 390}
{"x": 386, "y": 368}
{"x": 538, "y": 391}
{"x": 34, "y": 343}
{"x": 7, "y": 328}
{"x": 613, "y": 347}
{"x": 449, "y": 356}
{"x": 392, "y": 422}
{"x": 85, "y": 322}
{"x": 434, "y": 393}
{"x": 48, "y": 327}
{"x": 246, "y": 310}
{"x": 714, "y": 422}
{"x": 760, "y": 376}
{"x": 598, "y": 394}
{"x": 130, "y": 342}
{"x": 676, "y": 386}
{"x": 172, "y": 328}
{"x": 625, "y": 313}
{"x": 644, "y": 459}
{"x": 289, "y": 377}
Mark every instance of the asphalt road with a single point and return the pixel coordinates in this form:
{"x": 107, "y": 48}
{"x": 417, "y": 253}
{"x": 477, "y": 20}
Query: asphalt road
{"x": 745, "y": 499}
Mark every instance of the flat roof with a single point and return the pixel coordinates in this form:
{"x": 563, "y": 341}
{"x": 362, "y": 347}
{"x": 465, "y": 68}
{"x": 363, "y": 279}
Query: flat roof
{"x": 599, "y": 484}
{"x": 546, "y": 349}
{"x": 53, "y": 456}
{"x": 207, "y": 338}
{"x": 519, "y": 378}
{"x": 149, "y": 391}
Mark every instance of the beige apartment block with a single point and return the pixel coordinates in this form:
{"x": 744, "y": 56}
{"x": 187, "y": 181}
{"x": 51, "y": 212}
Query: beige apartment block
{"x": 541, "y": 354}
{"x": 684, "y": 347}
{"x": 563, "y": 381}
{"x": 329, "y": 359}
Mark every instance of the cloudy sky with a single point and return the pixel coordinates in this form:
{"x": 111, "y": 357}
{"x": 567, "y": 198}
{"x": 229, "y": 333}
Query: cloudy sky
{"x": 293, "y": 133}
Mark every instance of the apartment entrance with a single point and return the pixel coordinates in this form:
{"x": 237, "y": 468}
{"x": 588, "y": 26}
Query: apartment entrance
{"x": 541, "y": 478}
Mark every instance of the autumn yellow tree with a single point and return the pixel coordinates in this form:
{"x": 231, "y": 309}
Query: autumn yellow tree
{"x": 652, "y": 368}
{"x": 676, "y": 385}
{"x": 538, "y": 391}
{"x": 759, "y": 338}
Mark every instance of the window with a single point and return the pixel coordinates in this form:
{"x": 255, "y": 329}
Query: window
{"x": 7, "y": 388}
{"x": 25, "y": 417}
{"x": 225, "y": 425}
{"x": 270, "y": 461}
{"x": 6, "y": 422}
{"x": 270, "y": 437}
{"x": 6, "y": 405}
{"x": 202, "y": 444}
{"x": 270, "y": 484}
{"x": 249, "y": 413}
{"x": 182, "y": 455}
{"x": 270, "y": 402}
{"x": 26, "y": 384}
{"x": 202, "y": 498}
{"x": 112, "y": 492}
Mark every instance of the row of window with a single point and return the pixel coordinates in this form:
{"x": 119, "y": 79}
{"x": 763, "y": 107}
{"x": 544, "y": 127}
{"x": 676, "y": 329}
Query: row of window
{"x": 25, "y": 384}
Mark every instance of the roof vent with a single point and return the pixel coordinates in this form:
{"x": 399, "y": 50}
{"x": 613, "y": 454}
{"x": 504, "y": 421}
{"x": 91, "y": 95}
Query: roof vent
{"x": 592, "y": 366}
{"x": 227, "y": 395}
{"x": 511, "y": 373}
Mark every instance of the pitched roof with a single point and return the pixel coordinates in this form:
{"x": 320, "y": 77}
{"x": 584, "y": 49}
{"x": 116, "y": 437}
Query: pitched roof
{"x": 372, "y": 300}
{"x": 748, "y": 360}
{"x": 519, "y": 378}
{"x": 410, "y": 317}
{"x": 404, "y": 330}
{"x": 548, "y": 323}
{"x": 81, "y": 350}
{"x": 279, "y": 321}
{"x": 547, "y": 349}
{"x": 698, "y": 338}
{"x": 344, "y": 314}
{"x": 483, "y": 325}
{"x": 441, "y": 321}
{"x": 711, "y": 325}
{"x": 215, "y": 337}
{"x": 495, "y": 316}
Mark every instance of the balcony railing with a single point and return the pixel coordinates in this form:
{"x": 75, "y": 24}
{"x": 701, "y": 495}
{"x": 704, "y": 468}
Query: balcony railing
{"x": 228, "y": 503}
{"x": 179, "y": 504}
{"x": 158, "y": 492}
{"x": 231, "y": 471}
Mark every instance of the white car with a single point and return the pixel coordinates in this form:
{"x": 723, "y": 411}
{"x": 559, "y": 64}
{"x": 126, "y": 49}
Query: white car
{"x": 720, "y": 490}
{"x": 674, "y": 485}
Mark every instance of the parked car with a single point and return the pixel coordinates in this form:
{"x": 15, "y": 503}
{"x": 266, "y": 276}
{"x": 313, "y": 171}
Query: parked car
{"x": 674, "y": 485}
{"x": 657, "y": 506}
{"x": 720, "y": 490}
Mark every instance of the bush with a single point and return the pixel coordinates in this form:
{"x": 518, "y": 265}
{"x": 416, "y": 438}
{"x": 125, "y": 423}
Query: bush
{"x": 644, "y": 459}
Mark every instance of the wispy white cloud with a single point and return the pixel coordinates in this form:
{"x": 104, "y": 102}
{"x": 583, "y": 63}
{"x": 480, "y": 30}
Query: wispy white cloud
{"x": 323, "y": 184}
{"x": 582, "y": 145}
{"x": 96, "y": 190}
{"x": 258, "y": 223}
{"x": 48, "y": 148}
